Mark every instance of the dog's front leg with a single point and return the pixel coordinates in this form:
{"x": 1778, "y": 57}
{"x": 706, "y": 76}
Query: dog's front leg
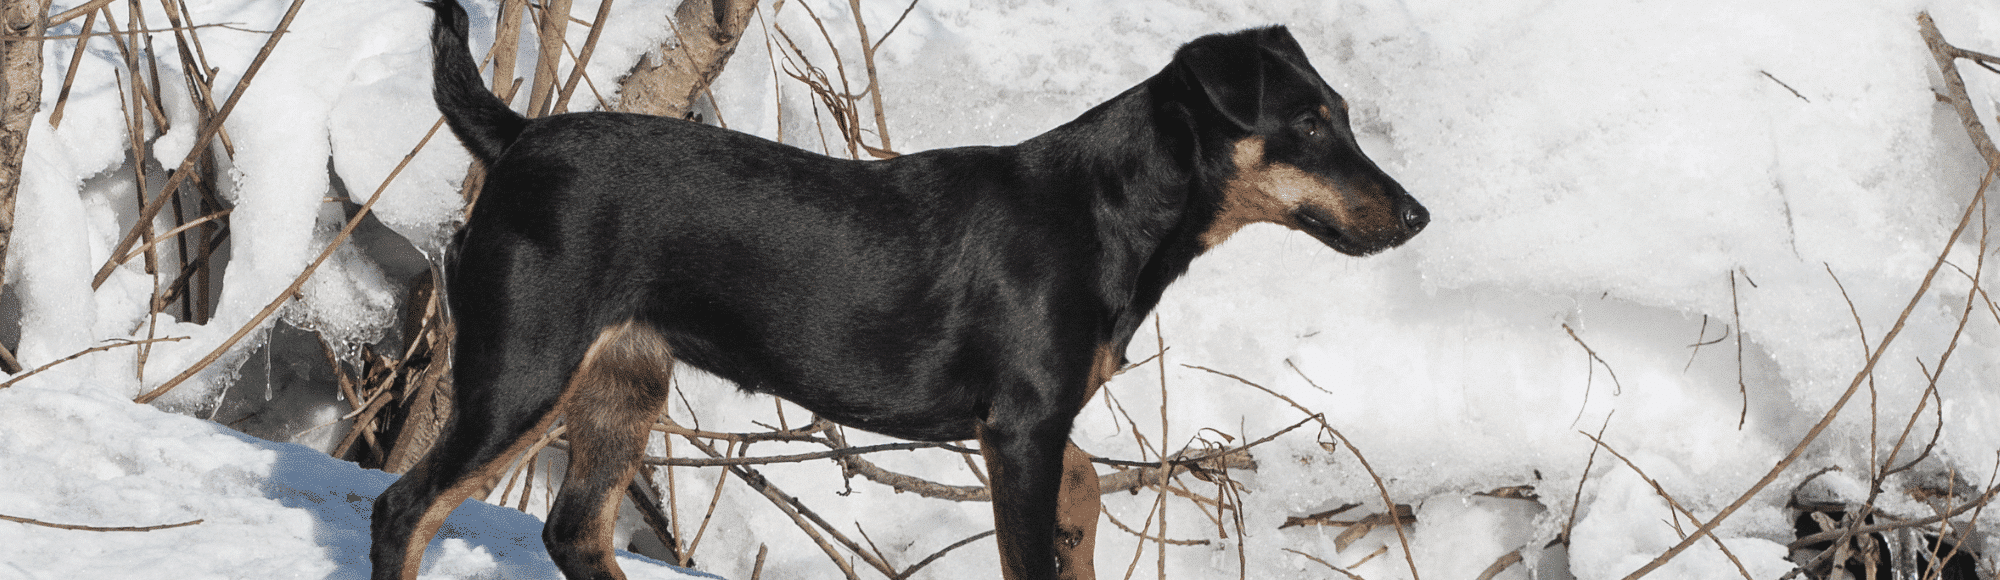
{"x": 1024, "y": 463}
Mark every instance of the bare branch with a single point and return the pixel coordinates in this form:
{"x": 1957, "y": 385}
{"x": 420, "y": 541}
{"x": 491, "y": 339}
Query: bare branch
{"x": 1325, "y": 563}
{"x": 209, "y": 129}
{"x": 1401, "y": 536}
{"x": 117, "y": 343}
{"x": 1676, "y": 504}
{"x": 1840, "y": 534}
{"x": 35, "y": 522}
{"x": 1617, "y": 387}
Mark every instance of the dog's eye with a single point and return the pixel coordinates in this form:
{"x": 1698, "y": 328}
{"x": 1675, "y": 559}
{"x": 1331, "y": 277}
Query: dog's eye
{"x": 1311, "y": 126}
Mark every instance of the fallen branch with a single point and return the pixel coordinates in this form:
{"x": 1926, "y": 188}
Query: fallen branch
{"x": 1324, "y": 518}
{"x": 1736, "y": 319}
{"x": 1577, "y": 499}
{"x": 907, "y": 572}
{"x": 229, "y": 25}
{"x": 794, "y": 458}
{"x": 910, "y": 484}
{"x": 1325, "y": 563}
{"x": 805, "y": 433}
{"x": 1945, "y": 54}
{"x": 874, "y": 82}
{"x": 71, "y": 14}
{"x": 1354, "y": 529}
{"x": 553, "y": 26}
{"x": 119, "y": 342}
{"x": 801, "y": 516}
{"x": 35, "y": 522}
{"x": 1844, "y": 533}
{"x": 1143, "y": 538}
{"x": 1501, "y": 564}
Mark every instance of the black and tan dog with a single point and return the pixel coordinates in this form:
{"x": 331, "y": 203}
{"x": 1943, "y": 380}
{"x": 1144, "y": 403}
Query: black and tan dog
{"x": 977, "y": 292}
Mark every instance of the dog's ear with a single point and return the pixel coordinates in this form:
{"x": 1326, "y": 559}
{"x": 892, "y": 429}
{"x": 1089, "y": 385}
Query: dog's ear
{"x": 1278, "y": 40}
{"x": 1289, "y": 69}
{"x": 1229, "y": 71}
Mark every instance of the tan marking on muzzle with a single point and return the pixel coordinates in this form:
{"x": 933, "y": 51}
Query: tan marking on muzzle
{"x": 1269, "y": 192}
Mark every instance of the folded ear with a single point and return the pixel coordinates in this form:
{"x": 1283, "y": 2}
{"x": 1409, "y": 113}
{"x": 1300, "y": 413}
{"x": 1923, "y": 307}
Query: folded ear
{"x": 1229, "y": 70}
{"x": 1296, "y": 72}
{"x": 1278, "y": 41}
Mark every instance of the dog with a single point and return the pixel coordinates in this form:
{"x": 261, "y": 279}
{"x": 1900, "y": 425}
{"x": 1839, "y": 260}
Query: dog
{"x": 967, "y": 293}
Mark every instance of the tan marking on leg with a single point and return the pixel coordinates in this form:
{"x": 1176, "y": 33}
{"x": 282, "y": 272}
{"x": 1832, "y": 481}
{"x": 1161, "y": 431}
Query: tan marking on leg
{"x": 611, "y": 400}
{"x": 1102, "y": 367}
{"x": 482, "y": 477}
{"x": 1076, "y": 516}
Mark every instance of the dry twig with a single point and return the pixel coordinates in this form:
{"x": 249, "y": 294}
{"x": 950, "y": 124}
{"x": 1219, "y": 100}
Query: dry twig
{"x": 36, "y": 522}
{"x": 117, "y": 343}
{"x": 1328, "y": 565}
{"x": 1401, "y": 536}
{"x": 1675, "y": 504}
{"x": 1500, "y": 564}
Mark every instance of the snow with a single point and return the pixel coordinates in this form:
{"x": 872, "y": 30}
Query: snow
{"x": 283, "y": 509}
{"x": 1634, "y": 177}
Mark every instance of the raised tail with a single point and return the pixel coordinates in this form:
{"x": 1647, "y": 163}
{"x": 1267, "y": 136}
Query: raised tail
{"x": 481, "y": 120}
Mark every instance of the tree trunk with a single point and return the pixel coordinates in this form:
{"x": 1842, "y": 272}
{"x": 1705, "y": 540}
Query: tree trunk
{"x": 706, "y": 32}
{"x": 20, "y": 99}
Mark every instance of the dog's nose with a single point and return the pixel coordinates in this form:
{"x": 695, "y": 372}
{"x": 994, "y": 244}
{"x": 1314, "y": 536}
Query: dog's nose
{"x": 1415, "y": 217}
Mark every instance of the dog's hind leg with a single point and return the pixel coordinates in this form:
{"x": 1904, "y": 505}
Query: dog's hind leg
{"x": 490, "y": 425}
{"x": 613, "y": 398}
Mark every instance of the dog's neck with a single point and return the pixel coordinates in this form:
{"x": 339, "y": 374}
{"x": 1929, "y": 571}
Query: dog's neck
{"x": 1151, "y": 195}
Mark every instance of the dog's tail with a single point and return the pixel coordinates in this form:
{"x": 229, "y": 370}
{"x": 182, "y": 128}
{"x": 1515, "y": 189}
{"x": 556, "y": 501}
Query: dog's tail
{"x": 481, "y": 120}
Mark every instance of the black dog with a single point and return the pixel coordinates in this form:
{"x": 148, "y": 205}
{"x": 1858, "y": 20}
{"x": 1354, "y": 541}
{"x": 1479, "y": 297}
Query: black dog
{"x": 973, "y": 292}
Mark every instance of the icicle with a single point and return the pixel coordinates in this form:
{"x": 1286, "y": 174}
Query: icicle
{"x": 267, "y": 363}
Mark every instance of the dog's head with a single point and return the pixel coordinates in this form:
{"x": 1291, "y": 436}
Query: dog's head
{"x": 1291, "y": 155}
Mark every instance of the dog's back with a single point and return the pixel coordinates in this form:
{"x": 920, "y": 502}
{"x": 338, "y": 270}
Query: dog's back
{"x": 802, "y": 289}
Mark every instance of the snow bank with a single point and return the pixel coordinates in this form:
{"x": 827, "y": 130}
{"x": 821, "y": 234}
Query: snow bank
{"x": 265, "y": 509}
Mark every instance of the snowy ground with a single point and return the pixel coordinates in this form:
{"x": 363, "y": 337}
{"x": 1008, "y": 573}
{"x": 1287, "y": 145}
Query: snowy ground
{"x": 1638, "y": 177}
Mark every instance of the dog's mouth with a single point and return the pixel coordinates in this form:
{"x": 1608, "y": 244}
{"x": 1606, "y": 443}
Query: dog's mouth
{"x": 1325, "y": 229}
